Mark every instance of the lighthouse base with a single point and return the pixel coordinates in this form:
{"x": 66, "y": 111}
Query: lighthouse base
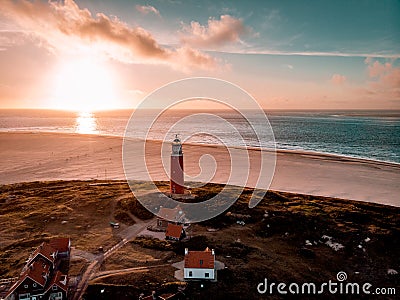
{"x": 185, "y": 196}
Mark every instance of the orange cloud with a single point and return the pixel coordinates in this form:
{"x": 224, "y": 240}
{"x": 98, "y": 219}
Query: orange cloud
{"x": 66, "y": 27}
{"x": 217, "y": 32}
{"x": 145, "y": 9}
{"x": 338, "y": 79}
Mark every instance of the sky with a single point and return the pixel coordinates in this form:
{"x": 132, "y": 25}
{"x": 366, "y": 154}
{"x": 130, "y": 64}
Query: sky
{"x": 87, "y": 55}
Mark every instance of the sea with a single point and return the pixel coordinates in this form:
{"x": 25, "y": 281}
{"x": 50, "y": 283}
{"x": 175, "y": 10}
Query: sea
{"x": 372, "y": 134}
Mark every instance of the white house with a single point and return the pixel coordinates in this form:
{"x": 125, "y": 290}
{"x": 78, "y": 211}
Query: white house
{"x": 199, "y": 264}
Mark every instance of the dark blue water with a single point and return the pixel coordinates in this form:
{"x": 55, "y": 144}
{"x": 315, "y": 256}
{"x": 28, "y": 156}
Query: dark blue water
{"x": 365, "y": 135}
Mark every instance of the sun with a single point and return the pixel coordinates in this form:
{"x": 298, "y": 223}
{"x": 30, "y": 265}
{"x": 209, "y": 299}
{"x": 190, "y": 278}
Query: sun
{"x": 84, "y": 85}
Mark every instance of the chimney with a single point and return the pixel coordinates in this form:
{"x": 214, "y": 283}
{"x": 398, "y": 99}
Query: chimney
{"x": 186, "y": 251}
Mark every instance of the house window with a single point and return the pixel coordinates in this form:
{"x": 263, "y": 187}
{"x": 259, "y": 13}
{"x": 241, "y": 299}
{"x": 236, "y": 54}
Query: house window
{"x": 24, "y": 296}
{"x": 54, "y": 288}
{"x": 190, "y": 273}
{"x": 56, "y": 296}
{"x": 207, "y": 275}
{"x": 159, "y": 223}
{"x": 201, "y": 262}
{"x": 25, "y": 286}
{"x": 34, "y": 285}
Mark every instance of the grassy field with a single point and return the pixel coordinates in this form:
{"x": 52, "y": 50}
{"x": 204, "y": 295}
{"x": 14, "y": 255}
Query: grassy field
{"x": 284, "y": 239}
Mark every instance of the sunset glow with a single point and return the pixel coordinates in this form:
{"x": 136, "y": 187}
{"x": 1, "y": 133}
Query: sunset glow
{"x": 86, "y": 123}
{"x": 85, "y": 55}
{"x": 83, "y": 85}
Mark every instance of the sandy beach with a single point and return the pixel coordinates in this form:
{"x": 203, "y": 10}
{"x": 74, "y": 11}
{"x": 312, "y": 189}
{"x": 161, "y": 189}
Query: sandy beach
{"x": 52, "y": 156}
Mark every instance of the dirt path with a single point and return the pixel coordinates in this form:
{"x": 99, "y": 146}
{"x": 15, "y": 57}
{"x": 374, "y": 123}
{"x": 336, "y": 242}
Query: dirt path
{"x": 127, "y": 234}
{"x": 128, "y": 270}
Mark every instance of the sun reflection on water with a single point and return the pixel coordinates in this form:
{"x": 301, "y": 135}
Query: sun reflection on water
{"x": 86, "y": 123}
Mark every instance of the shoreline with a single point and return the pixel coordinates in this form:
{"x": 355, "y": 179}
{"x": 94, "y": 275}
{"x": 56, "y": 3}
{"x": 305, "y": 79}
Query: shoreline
{"x": 42, "y": 156}
{"x": 309, "y": 153}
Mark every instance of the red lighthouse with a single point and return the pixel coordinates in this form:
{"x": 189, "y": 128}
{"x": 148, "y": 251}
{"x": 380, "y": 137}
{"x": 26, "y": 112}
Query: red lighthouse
{"x": 176, "y": 176}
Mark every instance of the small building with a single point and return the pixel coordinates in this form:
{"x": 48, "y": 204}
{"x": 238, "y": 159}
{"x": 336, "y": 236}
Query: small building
{"x": 162, "y": 224}
{"x": 174, "y": 232}
{"x": 199, "y": 265}
{"x": 167, "y": 215}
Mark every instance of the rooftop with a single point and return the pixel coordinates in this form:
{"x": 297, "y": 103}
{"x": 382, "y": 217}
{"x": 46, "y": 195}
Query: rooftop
{"x": 38, "y": 272}
{"x": 46, "y": 251}
{"x": 174, "y": 230}
{"x": 60, "y": 244}
{"x": 200, "y": 259}
{"x": 60, "y": 280}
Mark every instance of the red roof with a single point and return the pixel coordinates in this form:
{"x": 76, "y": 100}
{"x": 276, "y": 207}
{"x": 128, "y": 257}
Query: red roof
{"x": 46, "y": 251}
{"x": 60, "y": 244}
{"x": 200, "y": 259}
{"x": 38, "y": 272}
{"x": 174, "y": 231}
{"x": 60, "y": 280}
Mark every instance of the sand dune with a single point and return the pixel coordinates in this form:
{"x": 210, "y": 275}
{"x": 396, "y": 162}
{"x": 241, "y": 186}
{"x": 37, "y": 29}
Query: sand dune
{"x": 48, "y": 156}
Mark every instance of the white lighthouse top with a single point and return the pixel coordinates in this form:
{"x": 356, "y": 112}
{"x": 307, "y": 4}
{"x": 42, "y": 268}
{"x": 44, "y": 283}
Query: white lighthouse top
{"x": 176, "y": 146}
